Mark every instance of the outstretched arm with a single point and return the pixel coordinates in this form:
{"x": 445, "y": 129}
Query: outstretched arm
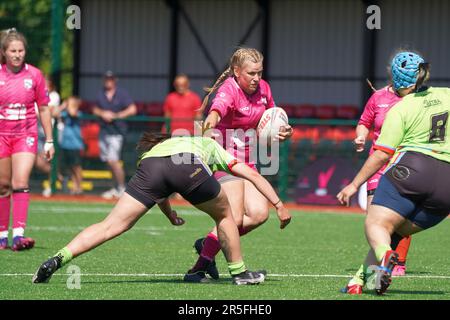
{"x": 374, "y": 163}
{"x": 243, "y": 171}
{"x": 211, "y": 120}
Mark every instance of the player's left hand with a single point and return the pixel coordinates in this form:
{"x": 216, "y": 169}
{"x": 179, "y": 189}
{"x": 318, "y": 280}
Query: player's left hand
{"x": 174, "y": 219}
{"x": 285, "y": 133}
{"x": 346, "y": 193}
{"x": 49, "y": 151}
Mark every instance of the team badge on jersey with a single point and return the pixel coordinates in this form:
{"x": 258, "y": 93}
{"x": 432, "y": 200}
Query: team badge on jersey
{"x": 28, "y": 83}
{"x": 30, "y": 141}
{"x": 263, "y": 100}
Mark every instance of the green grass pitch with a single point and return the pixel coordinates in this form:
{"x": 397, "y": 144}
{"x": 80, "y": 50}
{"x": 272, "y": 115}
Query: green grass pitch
{"x": 311, "y": 259}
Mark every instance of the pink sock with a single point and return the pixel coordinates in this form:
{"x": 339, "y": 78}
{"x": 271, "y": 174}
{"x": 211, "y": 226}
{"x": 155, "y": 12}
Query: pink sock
{"x": 5, "y": 208}
{"x": 211, "y": 246}
{"x": 20, "y": 203}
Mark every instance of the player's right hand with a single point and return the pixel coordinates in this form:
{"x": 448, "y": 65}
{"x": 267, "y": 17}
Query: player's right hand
{"x": 284, "y": 216}
{"x": 345, "y": 195}
{"x": 359, "y": 143}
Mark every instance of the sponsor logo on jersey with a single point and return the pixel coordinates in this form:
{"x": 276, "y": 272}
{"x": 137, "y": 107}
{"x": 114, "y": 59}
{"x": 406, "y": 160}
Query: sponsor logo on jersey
{"x": 430, "y": 103}
{"x": 384, "y": 105}
{"x": 28, "y": 83}
{"x": 244, "y": 108}
{"x": 196, "y": 172}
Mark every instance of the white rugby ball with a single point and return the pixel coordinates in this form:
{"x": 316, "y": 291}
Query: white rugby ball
{"x": 270, "y": 123}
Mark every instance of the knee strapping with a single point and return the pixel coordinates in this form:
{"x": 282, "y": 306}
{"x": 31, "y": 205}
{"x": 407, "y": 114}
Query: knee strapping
{"x": 22, "y": 190}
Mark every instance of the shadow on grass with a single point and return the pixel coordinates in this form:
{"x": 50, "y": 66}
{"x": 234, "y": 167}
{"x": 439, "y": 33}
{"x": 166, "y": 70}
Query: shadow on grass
{"x": 415, "y": 292}
{"x": 411, "y": 273}
{"x": 408, "y": 273}
{"x": 165, "y": 280}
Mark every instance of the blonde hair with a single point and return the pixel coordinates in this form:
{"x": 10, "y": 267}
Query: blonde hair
{"x": 239, "y": 57}
{"x": 6, "y": 37}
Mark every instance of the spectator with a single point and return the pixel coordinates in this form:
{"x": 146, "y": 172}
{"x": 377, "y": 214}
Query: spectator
{"x": 71, "y": 142}
{"x": 182, "y": 106}
{"x": 41, "y": 163}
{"x": 113, "y": 105}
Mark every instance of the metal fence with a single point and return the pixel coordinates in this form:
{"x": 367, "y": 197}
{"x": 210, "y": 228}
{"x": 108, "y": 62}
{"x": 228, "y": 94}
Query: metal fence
{"x": 318, "y": 160}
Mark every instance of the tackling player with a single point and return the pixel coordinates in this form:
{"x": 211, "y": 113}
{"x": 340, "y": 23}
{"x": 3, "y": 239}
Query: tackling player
{"x": 184, "y": 165}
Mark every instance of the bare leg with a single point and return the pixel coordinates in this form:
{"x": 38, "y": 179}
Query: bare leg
{"x": 234, "y": 190}
{"x": 77, "y": 178}
{"x": 256, "y": 208}
{"x": 5, "y": 196}
{"x": 118, "y": 172}
{"x": 219, "y": 209}
{"x": 42, "y": 164}
{"x": 381, "y": 222}
{"x": 123, "y": 216}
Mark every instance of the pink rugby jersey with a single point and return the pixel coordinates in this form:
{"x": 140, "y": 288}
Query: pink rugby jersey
{"x": 376, "y": 109}
{"x": 18, "y": 94}
{"x": 238, "y": 110}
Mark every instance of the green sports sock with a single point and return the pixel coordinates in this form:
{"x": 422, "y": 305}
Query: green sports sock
{"x": 360, "y": 276}
{"x": 65, "y": 255}
{"x": 380, "y": 251}
{"x": 236, "y": 267}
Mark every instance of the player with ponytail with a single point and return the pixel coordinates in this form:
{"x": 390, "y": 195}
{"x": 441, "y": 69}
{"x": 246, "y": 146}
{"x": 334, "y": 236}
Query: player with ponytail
{"x": 241, "y": 98}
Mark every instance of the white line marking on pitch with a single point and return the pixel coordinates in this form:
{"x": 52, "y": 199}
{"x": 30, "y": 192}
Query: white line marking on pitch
{"x": 180, "y": 275}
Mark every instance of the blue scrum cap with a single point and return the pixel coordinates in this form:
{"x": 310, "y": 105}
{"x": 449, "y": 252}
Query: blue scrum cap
{"x": 405, "y": 68}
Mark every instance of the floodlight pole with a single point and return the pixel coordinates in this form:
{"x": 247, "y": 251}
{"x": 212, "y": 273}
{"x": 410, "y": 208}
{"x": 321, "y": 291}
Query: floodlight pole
{"x": 57, "y": 25}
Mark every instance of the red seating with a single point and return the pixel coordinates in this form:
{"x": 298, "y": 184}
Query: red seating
{"x": 154, "y": 109}
{"x": 326, "y": 132}
{"x": 305, "y": 111}
{"x": 90, "y": 132}
{"x": 326, "y": 112}
{"x": 141, "y": 108}
{"x": 289, "y": 109}
{"x": 345, "y": 133}
{"x": 347, "y": 112}
{"x": 86, "y": 106}
{"x": 306, "y": 132}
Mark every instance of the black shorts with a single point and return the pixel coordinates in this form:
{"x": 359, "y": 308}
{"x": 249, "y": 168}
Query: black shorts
{"x": 70, "y": 158}
{"x": 157, "y": 178}
{"x": 417, "y": 188}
